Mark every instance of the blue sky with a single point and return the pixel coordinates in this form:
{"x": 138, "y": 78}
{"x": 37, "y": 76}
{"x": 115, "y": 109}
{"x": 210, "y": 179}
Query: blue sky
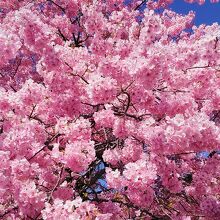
{"x": 205, "y": 14}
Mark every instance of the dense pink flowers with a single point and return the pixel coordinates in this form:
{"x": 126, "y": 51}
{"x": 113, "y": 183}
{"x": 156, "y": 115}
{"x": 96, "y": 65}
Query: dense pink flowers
{"x": 79, "y": 155}
{"x": 105, "y": 111}
{"x": 201, "y": 1}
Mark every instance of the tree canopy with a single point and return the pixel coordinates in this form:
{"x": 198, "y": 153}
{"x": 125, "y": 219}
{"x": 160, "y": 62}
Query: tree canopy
{"x": 105, "y": 107}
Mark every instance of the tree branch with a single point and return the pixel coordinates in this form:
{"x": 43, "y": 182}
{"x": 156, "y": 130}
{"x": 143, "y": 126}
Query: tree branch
{"x": 72, "y": 74}
{"x": 46, "y": 144}
{"x": 140, "y": 5}
{"x": 8, "y": 211}
{"x": 129, "y": 205}
{"x": 196, "y": 67}
{"x": 56, "y": 185}
{"x": 61, "y": 8}
{"x": 62, "y": 35}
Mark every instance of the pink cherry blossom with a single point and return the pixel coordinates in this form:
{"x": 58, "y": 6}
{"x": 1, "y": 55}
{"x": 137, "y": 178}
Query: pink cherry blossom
{"x": 108, "y": 110}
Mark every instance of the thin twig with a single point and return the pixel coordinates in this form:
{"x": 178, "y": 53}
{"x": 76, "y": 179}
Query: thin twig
{"x": 128, "y": 85}
{"x": 8, "y": 211}
{"x": 216, "y": 42}
{"x": 61, "y": 8}
{"x": 56, "y": 185}
{"x": 72, "y": 74}
{"x": 13, "y": 88}
{"x": 37, "y": 153}
{"x": 32, "y": 111}
{"x": 140, "y": 5}
{"x": 46, "y": 144}
{"x": 62, "y": 35}
{"x": 197, "y": 67}
{"x": 129, "y": 205}
{"x": 17, "y": 67}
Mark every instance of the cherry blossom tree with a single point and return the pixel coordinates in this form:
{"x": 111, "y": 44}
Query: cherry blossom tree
{"x": 105, "y": 108}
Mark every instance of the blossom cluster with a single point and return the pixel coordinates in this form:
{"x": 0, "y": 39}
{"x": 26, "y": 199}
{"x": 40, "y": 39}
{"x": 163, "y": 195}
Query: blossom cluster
{"x": 105, "y": 108}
